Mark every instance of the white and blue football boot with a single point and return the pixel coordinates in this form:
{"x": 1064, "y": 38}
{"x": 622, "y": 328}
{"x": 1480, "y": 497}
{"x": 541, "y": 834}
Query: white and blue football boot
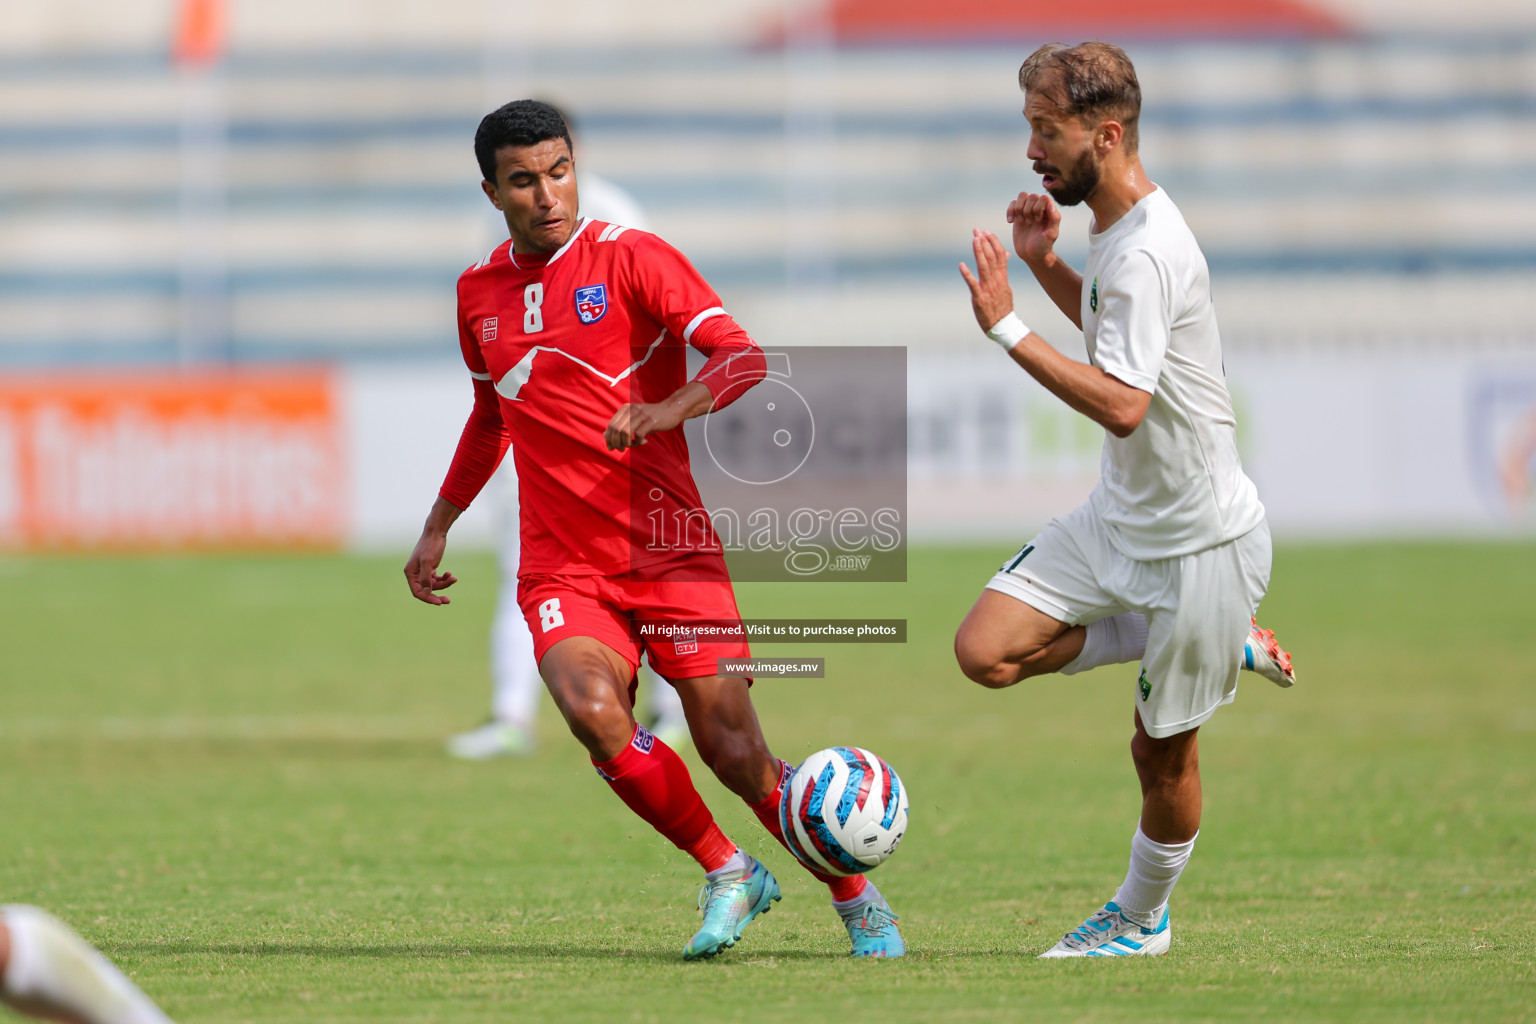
{"x": 729, "y": 904}
{"x": 1111, "y": 933}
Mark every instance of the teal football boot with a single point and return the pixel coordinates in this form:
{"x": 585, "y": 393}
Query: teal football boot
{"x": 729, "y": 904}
{"x": 872, "y": 927}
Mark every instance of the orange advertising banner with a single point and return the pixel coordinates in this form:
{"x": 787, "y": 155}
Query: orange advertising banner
{"x": 172, "y": 460}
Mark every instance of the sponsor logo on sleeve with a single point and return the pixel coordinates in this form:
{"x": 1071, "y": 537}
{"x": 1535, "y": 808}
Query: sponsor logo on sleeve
{"x": 1093, "y": 295}
{"x": 592, "y": 303}
{"x": 1144, "y": 685}
{"x": 488, "y": 330}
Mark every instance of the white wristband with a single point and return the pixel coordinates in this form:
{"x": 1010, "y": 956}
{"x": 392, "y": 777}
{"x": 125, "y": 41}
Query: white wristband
{"x": 1008, "y": 331}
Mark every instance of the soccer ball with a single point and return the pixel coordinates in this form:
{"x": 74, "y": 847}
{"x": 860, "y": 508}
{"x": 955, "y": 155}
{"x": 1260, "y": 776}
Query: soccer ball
{"x": 843, "y": 811}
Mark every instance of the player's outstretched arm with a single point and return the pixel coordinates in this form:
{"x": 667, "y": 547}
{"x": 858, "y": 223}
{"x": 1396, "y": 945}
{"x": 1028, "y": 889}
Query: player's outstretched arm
{"x": 1036, "y": 226}
{"x": 421, "y": 570}
{"x": 482, "y": 445}
{"x": 1108, "y": 401}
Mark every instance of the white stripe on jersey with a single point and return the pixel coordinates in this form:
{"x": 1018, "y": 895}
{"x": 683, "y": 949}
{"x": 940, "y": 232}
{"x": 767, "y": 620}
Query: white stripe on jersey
{"x": 693, "y": 324}
{"x": 509, "y": 385}
{"x": 479, "y": 376}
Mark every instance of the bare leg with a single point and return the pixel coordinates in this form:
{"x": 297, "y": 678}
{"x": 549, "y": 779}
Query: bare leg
{"x": 590, "y": 684}
{"x": 729, "y": 739}
{"x": 1169, "y": 770}
{"x": 1003, "y": 640}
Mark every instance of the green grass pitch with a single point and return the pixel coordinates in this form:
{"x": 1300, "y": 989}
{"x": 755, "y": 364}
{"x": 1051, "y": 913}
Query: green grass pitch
{"x": 227, "y": 772}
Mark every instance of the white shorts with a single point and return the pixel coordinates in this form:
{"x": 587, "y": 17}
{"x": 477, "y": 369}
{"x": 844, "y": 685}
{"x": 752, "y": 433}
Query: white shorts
{"x": 1198, "y": 608}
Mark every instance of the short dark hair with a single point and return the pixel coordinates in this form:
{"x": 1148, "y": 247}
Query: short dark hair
{"x": 1091, "y": 81}
{"x": 519, "y": 123}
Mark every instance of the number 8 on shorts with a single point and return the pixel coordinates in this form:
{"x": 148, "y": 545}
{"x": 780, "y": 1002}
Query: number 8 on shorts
{"x": 550, "y": 614}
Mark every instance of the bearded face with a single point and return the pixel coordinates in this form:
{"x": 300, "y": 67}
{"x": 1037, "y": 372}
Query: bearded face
{"x": 1071, "y": 184}
{"x": 1061, "y": 147}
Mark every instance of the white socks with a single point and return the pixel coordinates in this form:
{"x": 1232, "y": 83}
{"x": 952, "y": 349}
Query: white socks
{"x": 1155, "y": 870}
{"x": 869, "y": 895}
{"x": 53, "y": 970}
{"x": 1112, "y": 641}
{"x": 739, "y": 862}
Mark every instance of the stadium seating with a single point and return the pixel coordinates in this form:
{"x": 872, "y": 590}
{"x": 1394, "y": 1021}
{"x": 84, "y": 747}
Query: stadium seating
{"x": 1327, "y": 181}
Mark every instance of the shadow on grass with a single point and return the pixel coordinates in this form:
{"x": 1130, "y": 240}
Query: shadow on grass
{"x": 435, "y": 951}
{"x": 511, "y": 951}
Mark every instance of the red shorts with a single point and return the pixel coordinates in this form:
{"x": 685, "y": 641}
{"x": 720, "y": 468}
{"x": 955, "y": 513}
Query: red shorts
{"x": 631, "y": 617}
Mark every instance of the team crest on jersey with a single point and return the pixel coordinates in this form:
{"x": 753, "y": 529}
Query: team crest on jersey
{"x": 1144, "y": 685}
{"x": 488, "y": 330}
{"x": 1093, "y": 296}
{"x": 592, "y": 303}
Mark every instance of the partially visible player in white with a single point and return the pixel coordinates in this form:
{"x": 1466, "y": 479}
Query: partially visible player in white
{"x": 516, "y": 688}
{"x": 48, "y": 971}
{"x": 1167, "y": 561}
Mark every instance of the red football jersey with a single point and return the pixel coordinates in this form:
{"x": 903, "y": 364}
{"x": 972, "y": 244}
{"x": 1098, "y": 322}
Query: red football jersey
{"x": 559, "y": 341}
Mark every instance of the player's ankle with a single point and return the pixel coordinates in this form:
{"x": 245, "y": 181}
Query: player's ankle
{"x": 738, "y": 862}
{"x": 1144, "y": 918}
{"x": 852, "y": 891}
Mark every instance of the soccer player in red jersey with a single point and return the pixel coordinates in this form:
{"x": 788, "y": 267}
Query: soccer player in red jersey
{"x": 575, "y": 332}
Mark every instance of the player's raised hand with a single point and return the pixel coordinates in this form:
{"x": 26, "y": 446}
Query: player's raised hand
{"x": 1036, "y": 224}
{"x": 991, "y": 295}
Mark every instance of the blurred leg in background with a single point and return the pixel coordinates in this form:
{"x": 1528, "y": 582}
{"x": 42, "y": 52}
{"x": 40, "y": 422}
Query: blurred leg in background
{"x": 48, "y": 971}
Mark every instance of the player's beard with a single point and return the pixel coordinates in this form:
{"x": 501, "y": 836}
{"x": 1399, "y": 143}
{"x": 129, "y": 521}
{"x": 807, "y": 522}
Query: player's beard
{"x": 1075, "y": 183}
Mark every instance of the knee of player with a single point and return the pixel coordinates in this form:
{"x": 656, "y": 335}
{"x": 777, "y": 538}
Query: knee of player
{"x": 982, "y": 665}
{"x": 1170, "y": 757}
{"x": 594, "y": 712}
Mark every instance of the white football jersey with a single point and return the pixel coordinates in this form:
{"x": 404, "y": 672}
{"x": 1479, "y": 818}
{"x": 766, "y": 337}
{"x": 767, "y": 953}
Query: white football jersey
{"x": 1175, "y": 485}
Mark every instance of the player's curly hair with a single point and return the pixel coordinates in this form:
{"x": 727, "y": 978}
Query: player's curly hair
{"x": 519, "y": 123}
{"x": 1092, "y": 81}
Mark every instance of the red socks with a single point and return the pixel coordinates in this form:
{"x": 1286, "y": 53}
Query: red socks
{"x": 843, "y": 889}
{"x": 653, "y": 782}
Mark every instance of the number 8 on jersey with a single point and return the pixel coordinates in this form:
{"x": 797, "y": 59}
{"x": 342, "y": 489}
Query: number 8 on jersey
{"x": 533, "y": 313}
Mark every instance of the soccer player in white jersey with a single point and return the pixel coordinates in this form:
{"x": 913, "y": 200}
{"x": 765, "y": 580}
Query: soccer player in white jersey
{"x": 1167, "y": 561}
{"x": 515, "y": 684}
{"x": 48, "y": 971}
